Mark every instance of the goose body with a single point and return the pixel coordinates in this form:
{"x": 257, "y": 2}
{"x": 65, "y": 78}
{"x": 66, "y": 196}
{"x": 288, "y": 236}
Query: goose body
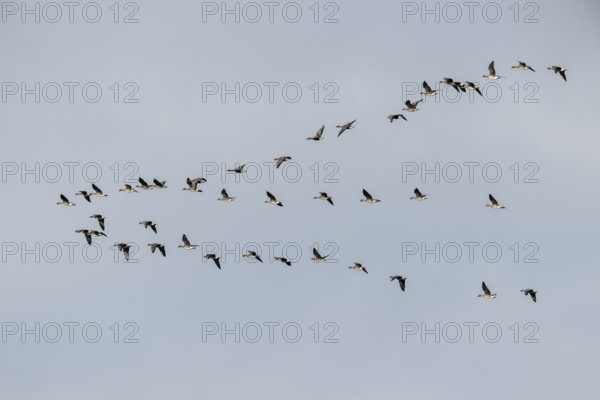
{"x": 494, "y": 203}
{"x": 559, "y": 70}
{"x": 128, "y": 189}
{"x": 486, "y": 292}
{"x": 64, "y": 201}
{"x": 98, "y": 192}
{"x": 318, "y": 136}
{"x": 368, "y": 198}
{"x": 193, "y": 184}
{"x": 324, "y": 196}
{"x": 411, "y": 107}
{"x": 252, "y": 255}
{"x": 522, "y": 66}
{"x": 85, "y": 195}
{"x": 392, "y": 117}
{"x": 100, "y": 219}
{"x": 281, "y": 160}
{"x": 492, "y": 75}
{"x": 345, "y": 127}
{"x": 401, "y": 280}
{"x": 160, "y": 247}
{"x": 284, "y": 260}
{"x": 225, "y": 197}
{"x": 150, "y": 224}
{"x": 358, "y": 267}
{"x": 186, "y": 244}
{"x": 419, "y": 196}
{"x": 273, "y": 200}
{"x": 531, "y": 294}
{"x": 215, "y": 258}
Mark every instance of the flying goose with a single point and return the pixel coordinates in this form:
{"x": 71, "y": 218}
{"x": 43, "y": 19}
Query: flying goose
{"x": 494, "y": 203}
{"x": 345, "y": 127}
{"x": 273, "y": 200}
{"x": 100, "y": 219}
{"x": 471, "y": 86}
{"x": 401, "y": 281}
{"x": 318, "y": 136}
{"x": 368, "y": 198}
{"x": 492, "y": 75}
{"x": 143, "y": 185}
{"x": 89, "y": 234}
{"x": 281, "y": 160}
{"x": 186, "y": 244}
{"x": 392, "y": 117}
{"x": 149, "y": 224}
{"x": 85, "y": 195}
{"x": 411, "y": 107}
{"x": 225, "y": 197}
{"x": 318, "y": 257}
{"x": 451, "y": 82}
{"x": 124, "y": 247}
{"x": 284, "y": 260}
{"x": 237, "y": 170}
{"x": 97, "y": 191}
{"x": 193, "y": 184}
{"x": 324, "y": 196}
{"x": 65, "y": 201}
{"x": 251, "y": 255}
{"x": 128, "y": 189}
{"x": 559, "y": 70}
{"x": 427, "y": 90}
{"x": 531, "y": 293}
{"x": 160, "y": 184}
{"x": 359, "y": 267}
{"x": 215, "y": 258}
{"x": 486, "y": 292}
{"x": 522, "y": 66}
{"x": 419, "y": 196}
{"x": 161, "y": 247}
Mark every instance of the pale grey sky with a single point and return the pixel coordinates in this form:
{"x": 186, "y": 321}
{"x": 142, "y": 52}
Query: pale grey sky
{"x": 367, "y": 61}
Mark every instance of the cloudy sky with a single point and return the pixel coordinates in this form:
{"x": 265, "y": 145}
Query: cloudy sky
{"x": 108, "y": 92}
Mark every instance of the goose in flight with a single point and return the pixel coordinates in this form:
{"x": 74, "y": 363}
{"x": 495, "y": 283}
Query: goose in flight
{"x": 64, "y": 201}
{"x": 143, "y": 185}
{"x": 281, "y": 160}
{"x": 128, "y": 189}
{"x": 225, "y": 197}
{"x": 318, "y": 257}
{"x": 237, "y": 170}
{"x": 368, "y": 198}
{"x": 359, "y": 267}
{"x": 411, "y": 107}
{"x": 284, "y": 260}
{"x": 273, "y": 200}
{"x": 85, "y": 195}
{"x": 559, "y": 70}
{"x": 486, "y": 292}
{"x": 471, "y": 86}
{"x": 418, "y": 195}
{"x": 494, "y": 203}
{"x": 186, "y": 244}
{"x": 451, "y": 82}
{"x": 100, "y": 219}
{"x": 159, "y": 184}
{"x": 318, "y": 136}
{"x": 392, "y": 117}
{"x": 89, "y": 234}
{"x": 215, "y": 258}
{"x": 161, "y": 247}
{"x": 324, "y": 196}
{"x": 124, "y": 247}
{"x": 251, "y": 255}
{"x": 492, "y": 75}
{"x": 427, "y": 90}
{"x": 531, "y": 293}
{"x": 193, "y": 184}
{"x": 401, "y": 281}
{"x": 345, "y": 127}
{"x": 522, "y": 66}
{"x": 149, "y": 224}
{"x": 98, "y": 192}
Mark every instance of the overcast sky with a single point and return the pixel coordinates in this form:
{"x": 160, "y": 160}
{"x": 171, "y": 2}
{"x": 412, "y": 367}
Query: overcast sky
{"x": 107, "y": 93}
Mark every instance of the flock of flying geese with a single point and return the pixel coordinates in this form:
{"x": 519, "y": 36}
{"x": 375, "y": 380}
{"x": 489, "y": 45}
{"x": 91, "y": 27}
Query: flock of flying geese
{"x": 193, "y": 186}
